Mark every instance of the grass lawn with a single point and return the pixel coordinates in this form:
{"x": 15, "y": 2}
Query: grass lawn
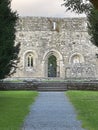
{"x": 86, "y": 104}
{"x": 14, "y": 106}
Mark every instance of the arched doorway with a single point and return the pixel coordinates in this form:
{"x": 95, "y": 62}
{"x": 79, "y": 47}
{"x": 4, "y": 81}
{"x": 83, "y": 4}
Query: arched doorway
{"x": 52, "y": 66}
{"x": 58, "y": 63}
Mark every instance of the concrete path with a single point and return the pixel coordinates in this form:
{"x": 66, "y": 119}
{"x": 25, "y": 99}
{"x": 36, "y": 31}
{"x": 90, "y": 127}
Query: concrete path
{"x": 52, "y": 111}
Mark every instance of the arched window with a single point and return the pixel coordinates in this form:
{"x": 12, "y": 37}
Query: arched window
{"x": 76, "y": 58}
{"x": 29, "y": 60}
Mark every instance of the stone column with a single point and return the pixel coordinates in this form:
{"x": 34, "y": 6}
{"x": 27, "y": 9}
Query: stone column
{"x": 62, "y": 69}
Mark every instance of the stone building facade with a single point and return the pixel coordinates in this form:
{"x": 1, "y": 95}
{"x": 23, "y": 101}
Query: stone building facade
{"x": 55, "y": 47}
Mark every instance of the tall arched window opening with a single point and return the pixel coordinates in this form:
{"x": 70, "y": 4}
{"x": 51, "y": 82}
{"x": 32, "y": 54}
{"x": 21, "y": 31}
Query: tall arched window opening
{"x": 29, "y": 60}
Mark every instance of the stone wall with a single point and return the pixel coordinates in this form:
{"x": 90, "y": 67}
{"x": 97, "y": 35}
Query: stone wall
{"x": 51, "y": 86}
{"x": 65, "y": 38}
{"x": 17, "y": 86}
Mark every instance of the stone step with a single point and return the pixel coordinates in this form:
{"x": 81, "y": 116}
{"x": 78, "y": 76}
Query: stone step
{"x": 54, "y": 86}
{"x": 51, "y": 90}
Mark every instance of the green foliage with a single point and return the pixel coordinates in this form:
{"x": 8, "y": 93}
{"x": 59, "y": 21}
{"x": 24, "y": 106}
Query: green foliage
{"x": 86, "y": 104}
{"x": 14, "y": 106}
{"x": 78, "y": 6}
{"x": 8, "y": 50}
{"x": 93, "y": 26}
{"x": 84, "y": 6}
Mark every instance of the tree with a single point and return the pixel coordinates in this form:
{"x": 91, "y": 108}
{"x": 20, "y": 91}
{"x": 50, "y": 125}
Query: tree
{"x": 93, "y": 26}
{"x": 84, "y": 6}
{"x": 78, "y": 6}
{"x": 8, "y": 50}
{"x": 95, "y": 3}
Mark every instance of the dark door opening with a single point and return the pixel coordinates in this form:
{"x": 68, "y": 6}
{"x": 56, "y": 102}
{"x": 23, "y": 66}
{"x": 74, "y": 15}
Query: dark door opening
{"x": 52, "y": 66}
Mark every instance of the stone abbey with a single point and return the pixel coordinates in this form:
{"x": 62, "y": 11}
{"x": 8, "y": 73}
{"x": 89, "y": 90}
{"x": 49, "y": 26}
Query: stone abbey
{"x": 55, "y": 47}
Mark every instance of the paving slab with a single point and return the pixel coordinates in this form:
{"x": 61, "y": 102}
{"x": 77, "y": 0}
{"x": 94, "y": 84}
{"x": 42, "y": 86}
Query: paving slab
{"x": 52, "y": 111}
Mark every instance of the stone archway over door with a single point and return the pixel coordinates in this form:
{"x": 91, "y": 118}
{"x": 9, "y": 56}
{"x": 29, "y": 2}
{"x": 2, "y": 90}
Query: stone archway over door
{"x": 58, "y": 60}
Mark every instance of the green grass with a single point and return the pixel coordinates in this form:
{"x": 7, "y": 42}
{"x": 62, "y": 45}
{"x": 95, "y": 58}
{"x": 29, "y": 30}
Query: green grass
{"x": 14, "y": 106}
{"x": 13, "y": 81}
{"x": 86, "y": 104}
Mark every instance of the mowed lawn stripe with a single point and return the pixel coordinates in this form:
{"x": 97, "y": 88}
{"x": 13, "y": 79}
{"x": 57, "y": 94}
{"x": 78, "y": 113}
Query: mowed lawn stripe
{"x": 86, "y": 104}
{"x": 14, "y": 106}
